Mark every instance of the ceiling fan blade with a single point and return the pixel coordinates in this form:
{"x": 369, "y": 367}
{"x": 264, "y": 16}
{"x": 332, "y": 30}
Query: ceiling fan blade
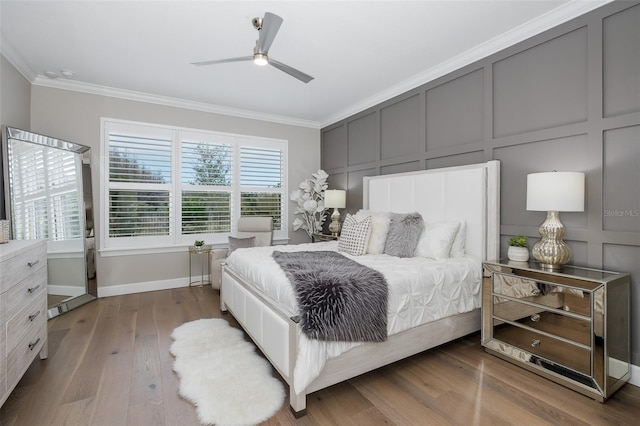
{"x": 305, "y": 78}
{"x": 222, "y": 61}
{"x": 270, "y": 26}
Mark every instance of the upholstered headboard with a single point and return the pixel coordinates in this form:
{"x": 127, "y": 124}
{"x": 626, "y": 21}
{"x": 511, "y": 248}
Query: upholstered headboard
{"x": 465, "y": 193}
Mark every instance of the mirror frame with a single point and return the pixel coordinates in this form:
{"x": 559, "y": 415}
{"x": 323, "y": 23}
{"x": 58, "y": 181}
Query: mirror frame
{"x": 12, "y": 133}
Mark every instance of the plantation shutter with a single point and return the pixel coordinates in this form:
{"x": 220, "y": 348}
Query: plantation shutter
{"x": 261, "y": 182}
{"x": 139, "y": 185}
{"x": 40, "y": 174}
{"x": 207, "y": 171}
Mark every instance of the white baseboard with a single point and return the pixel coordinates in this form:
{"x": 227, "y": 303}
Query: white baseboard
{"x": 65, "y": 290}
{"x": 635, "y": 375}
{"x": 118, "y": 290}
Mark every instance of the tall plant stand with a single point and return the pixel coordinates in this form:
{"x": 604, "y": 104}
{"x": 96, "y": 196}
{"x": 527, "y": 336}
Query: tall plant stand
{"x": 204, "y": 253}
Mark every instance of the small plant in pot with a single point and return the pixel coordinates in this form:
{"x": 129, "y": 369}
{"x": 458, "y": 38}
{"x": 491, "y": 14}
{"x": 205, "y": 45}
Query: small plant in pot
{"x": 518, "y": 248}
{"x": 199, "y": 244}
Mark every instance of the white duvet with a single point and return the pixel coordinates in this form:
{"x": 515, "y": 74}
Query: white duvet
{"x": 421, "y": 290}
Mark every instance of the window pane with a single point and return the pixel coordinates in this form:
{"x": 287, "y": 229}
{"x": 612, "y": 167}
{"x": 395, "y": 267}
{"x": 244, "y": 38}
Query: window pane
{"x": 206, "y": 163}
{"x": 139, "y": 159}
{"x": 31, "y": 220}
{"x": 138, "y": 213}
{"x": 205, "y": 212}
{"x": 65, "y": 217}
{"x": 262, "y": 204}
{"x": 261, "y": 167}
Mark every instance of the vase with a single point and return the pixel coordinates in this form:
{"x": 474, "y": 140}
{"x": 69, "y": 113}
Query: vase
{"x": 518, "y": 254}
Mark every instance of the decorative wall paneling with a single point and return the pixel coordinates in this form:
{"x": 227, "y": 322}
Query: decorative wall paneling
{"x": 566, "y": 99}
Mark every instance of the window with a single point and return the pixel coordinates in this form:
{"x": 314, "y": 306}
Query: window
{"x": 45, "y": 201}
{"x": 167, "y": 186}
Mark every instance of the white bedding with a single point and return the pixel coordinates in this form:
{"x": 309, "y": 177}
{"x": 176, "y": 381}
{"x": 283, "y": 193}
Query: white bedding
{"x": 420, "y": 291}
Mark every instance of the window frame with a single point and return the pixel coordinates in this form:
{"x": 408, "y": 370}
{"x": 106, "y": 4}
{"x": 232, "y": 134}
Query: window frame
{"x": 176, "y": 241}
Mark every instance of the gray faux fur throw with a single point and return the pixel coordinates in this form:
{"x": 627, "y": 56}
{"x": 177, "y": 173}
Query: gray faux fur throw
{"x": 339, "y": 299}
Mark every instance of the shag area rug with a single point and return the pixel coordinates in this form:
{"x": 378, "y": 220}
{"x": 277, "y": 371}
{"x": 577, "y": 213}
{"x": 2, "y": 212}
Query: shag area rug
{"x": 222, "y": 375}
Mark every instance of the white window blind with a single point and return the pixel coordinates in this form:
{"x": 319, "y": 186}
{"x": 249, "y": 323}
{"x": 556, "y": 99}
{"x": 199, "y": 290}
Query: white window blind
{"x": 139, "y": 184}
{"x": 261, "y": 181}
{"x": 207, "y": 177}
{"x": 45, "y": 203}
{"x": 170, "y": 186}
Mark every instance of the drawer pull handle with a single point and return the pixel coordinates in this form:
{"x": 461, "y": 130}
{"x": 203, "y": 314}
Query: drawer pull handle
{"x": 33, "y": 289}
{"x": 535, "y": 292}
{"x": 34, "y": 344}
{"x": 32, "y": 264}
{"x": 33, "y": 316}
{"x": 535, "y": 317}
{"x": 535, "y": 343}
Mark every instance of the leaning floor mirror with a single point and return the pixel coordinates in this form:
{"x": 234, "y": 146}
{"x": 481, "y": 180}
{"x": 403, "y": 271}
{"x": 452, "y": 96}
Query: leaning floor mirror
{"x": 47, "y": 195}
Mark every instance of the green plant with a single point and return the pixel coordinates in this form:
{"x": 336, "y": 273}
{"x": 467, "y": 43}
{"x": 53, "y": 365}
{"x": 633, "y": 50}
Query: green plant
{"x": 198, "y": 243}
{"x": 519, "y": 241}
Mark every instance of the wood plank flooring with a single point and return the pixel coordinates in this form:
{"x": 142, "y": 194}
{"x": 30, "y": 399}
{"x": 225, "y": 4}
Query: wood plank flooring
{"x": 109, "y": 364}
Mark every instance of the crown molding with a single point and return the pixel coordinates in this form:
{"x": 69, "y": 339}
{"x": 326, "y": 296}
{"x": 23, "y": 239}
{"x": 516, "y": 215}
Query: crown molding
{"x": 11, "y": 54}
{"x": 95, "y": 89}
{"x": 553, "y": 18}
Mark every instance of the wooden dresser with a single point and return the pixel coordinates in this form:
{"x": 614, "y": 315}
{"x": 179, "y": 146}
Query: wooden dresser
{"x": 23, "y": 309}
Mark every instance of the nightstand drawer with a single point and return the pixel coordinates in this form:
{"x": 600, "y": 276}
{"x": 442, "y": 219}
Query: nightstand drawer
{"x": 33, "y": 287}
{"x": 555, "y": 350}
{"x": 542, "y": 293}
{"x": 568, "y": 327}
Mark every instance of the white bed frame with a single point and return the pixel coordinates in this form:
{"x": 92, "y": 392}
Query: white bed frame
{"x": 466, "y": 193}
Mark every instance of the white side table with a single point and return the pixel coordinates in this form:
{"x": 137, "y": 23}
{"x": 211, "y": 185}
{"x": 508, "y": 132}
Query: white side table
{"x": 200, "y": 251}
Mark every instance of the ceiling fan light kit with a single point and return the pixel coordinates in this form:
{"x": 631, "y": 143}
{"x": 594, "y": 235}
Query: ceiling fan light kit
{"x": 267, "y": 29}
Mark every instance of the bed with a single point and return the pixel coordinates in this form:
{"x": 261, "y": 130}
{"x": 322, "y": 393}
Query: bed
{"x": 253, "y": 292}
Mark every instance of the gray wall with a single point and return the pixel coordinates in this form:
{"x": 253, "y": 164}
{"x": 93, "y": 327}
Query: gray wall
{"x": 76, "y": 117}
{"x": 567, "y": 99}
{"x": 15, "y": 105}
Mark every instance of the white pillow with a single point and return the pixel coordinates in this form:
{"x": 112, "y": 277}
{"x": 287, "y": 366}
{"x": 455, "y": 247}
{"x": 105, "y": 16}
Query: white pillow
{"x": 379, "y": 229}
{"x": 457, "y": 248}
{"x": 436, "y": 239}
{"x": 354, "y": 236}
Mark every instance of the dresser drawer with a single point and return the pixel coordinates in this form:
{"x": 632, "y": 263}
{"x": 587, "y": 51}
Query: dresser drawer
{"x": 33, "y": 287}
{"x": 31, "y": 317}
{"x": 22, "y": 354}
{"x": 565, "y": 326}
{"x": 563, "y": 353}
{"x": 17, "y": 268}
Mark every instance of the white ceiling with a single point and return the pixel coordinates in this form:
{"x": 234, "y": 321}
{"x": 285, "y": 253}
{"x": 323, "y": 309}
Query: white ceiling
{"x": 360, "y": 52}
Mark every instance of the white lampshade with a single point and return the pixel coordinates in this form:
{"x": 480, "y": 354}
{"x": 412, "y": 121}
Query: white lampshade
{"x": 555, "y": 191}
{"x": 336, "y": 198}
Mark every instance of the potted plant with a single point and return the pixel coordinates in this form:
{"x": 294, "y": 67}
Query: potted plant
{"x": 198, "y": 244}
{"x": 518, "y": 248}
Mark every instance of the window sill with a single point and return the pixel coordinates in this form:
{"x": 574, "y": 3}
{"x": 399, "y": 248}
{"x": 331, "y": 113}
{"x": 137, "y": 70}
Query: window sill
{"x": 136, "y": 251}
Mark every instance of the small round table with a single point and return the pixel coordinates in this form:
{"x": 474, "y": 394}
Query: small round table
{"x": 199, "y": 251}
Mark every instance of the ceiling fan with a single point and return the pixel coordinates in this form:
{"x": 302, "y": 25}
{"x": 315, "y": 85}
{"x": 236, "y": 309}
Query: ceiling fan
{"x": 267, "y": 29}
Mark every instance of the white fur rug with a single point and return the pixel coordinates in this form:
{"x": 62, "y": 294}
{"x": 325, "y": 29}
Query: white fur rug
{"x": 222, "y": 375}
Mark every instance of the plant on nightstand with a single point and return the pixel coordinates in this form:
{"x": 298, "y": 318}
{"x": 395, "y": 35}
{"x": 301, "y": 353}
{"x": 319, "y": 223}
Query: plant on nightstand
{"x": 518, "y": 248}
{"x": 199, "y": 244}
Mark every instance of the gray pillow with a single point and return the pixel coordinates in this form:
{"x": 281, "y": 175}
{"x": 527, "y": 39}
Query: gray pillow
{"x": 236, "y": 243}
{"x": 404, "y": 234}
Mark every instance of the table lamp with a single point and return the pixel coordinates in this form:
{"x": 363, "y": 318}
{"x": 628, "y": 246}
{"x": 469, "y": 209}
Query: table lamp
{"x": 336, "y": 199}
{"x": 554, "y": 192}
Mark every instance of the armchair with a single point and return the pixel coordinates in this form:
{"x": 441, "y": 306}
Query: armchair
{"x": 260, "y": 227}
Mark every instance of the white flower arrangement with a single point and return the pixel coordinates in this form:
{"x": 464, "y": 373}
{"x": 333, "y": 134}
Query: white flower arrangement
{"x": 310, "y": 199}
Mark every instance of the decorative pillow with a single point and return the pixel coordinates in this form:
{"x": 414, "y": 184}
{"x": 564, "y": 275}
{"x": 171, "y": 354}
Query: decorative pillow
{"x": 379, "y": 229}
{"x": 403, "y": 235}
{"x": 437, "y": 239}
{"x": 457, "y": 248}
{"x": 354, "y": 236}
{"x": 236, "y": 243}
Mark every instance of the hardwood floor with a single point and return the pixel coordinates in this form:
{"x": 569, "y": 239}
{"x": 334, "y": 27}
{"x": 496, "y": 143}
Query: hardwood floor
{"x": 109, "y": 364}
